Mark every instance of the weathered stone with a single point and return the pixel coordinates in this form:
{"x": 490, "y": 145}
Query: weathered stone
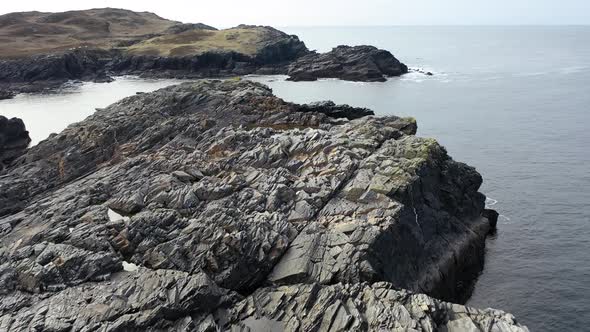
{"x": 14, "y": 140}
{"x": 156, "y": 210}
{"x": 6, "y": 94}
{"x": 148, "y": 300}
{"x": 358, "y": 63}
{"x": 359, "y": 307}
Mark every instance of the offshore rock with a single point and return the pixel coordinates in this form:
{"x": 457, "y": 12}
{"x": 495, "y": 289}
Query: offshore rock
{"x": 215, "y": 204}
{"x": 358, "y": 63}
{"x": 14, "y": 140}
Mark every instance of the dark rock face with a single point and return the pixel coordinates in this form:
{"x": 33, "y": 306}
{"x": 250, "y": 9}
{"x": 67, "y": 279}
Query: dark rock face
{"x": 14, "y": 140}
{"x": 42, "y": 72}
{"x": 337, "y": 111}
{"x": 48, "y": 72}
{"x": 360, "y": 307}
{"x": 77, "y": 64}
{"x": 215, "y": 205}
{"x": 93, "y": 45}
{"x": 358, "y": 63}
{"x": 6, "y": 94}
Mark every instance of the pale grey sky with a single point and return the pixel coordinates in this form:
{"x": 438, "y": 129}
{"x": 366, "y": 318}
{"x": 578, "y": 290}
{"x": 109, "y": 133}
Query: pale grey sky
{"x": 226, "y": 13}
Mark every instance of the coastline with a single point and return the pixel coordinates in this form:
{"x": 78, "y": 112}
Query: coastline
{"x": 394, "y": 212}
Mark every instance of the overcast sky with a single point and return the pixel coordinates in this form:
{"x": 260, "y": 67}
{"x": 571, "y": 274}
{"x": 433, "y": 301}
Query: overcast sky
{"x": 226, "y": 13}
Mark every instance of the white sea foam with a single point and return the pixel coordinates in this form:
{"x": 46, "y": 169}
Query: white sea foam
{"x": 490, "y": 202}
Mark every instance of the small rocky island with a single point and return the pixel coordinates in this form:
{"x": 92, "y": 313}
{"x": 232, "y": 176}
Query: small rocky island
{"x": 215, "y": 205}
{"x": 41, "y": 51}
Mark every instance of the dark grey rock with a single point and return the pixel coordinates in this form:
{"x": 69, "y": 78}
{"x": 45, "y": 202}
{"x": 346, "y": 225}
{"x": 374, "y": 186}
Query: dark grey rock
{"x": 6, "y": 94}
{"x": 358, "y": 63}
{"x": 359, "y": 307}
{"x": 156, "y": 212}
{"x": 14, "y": 140}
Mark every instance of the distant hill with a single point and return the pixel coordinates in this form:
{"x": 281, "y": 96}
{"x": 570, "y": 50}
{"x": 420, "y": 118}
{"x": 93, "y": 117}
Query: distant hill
{"x": 31, "y": 33}
{"x": 40, "y": 51}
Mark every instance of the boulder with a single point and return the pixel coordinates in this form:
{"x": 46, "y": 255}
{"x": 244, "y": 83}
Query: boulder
{"x": 14, "y": 140}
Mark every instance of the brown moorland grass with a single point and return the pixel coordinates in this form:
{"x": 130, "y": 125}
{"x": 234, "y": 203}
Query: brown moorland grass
{"x": 242, "y": 40}
{"x": 31, "y": 33}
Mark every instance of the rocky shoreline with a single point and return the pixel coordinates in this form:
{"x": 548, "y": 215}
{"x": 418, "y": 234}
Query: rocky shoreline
{"x": 165, "y": 49}
{"x": 216, "y": 205}
{"x": 49, "y": 72}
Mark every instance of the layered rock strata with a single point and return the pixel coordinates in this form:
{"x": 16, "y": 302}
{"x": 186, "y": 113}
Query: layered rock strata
{"x": 215, "y": 205}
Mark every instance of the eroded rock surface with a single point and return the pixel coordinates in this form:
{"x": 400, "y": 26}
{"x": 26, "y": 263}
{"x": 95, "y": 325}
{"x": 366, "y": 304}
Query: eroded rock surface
{"x": 5, "y": 94}
{"x": 359, "y": 307}
{"x": 358, "y": 63}
{"x": 215, "y": 204}
{"x": 14, "y": 140}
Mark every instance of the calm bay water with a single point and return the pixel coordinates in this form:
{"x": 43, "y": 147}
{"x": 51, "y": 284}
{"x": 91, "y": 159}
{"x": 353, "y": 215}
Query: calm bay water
{"x": 512, "y": 101}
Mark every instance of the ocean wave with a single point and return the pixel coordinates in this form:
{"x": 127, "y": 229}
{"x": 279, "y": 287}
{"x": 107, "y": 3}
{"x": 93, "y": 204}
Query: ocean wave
{"x": 573, "y": 70}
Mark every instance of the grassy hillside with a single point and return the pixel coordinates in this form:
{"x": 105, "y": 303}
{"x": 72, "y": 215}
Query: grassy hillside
{"x": 36, "y": 33}
{"x": 244, "y": 39}
{"x": 31, "y": 33}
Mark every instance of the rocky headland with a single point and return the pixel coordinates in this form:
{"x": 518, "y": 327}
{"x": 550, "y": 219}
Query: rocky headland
{"x": 40, "y": 51}
{"x": 215, "y": 205}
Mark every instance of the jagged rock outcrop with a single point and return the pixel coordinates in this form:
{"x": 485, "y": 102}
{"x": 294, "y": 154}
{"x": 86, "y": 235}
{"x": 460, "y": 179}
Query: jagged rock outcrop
{"x": 14, "y": 140}
{"x": 6, "y": 94}
{"x": 358, "y": 63}
{"x": 215, "y": 204}
{"x": 51, "y": 69}
{"x": 359, "y": 307}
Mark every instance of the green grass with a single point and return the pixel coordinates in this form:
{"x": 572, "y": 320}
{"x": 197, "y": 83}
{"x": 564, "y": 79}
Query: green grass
{"x": 245, "y": 41}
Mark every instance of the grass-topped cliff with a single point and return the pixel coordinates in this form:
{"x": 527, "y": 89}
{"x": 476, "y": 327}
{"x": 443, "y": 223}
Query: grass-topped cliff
{"x": 137, "y": 33}
{"x": 40, "y": 51}
{"x": 243, "y": 39}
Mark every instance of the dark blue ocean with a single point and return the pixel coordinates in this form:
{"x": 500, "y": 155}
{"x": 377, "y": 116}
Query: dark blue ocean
{"x": 512, "y": 101}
